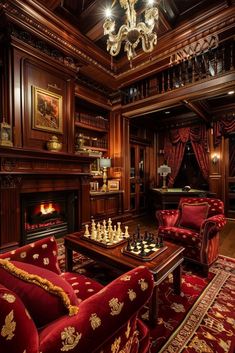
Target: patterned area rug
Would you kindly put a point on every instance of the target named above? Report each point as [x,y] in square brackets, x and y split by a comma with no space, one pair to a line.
[200,320]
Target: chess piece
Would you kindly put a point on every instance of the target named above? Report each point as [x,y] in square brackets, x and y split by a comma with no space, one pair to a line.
[142,252]
[93,229]
[128,248]
[119,231]
[115,236]
[98,232]
[126,232]
[86,234]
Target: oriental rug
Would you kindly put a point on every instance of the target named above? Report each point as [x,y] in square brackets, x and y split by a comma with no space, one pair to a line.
[199,320]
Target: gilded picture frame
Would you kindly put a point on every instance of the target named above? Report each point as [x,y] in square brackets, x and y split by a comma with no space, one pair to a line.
[113,185]
[47,110]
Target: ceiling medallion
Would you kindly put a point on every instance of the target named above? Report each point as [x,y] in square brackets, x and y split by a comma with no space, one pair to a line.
[132,32]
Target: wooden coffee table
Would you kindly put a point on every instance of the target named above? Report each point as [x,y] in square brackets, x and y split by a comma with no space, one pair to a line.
[169,261]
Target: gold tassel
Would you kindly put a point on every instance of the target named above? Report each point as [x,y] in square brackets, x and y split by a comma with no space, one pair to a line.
[41,282]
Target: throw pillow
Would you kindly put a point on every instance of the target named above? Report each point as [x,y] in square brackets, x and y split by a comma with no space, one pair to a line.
[192,215]
[46,295]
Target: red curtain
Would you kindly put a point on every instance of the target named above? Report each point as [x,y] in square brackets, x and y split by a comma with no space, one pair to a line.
[222,128]
[174,147]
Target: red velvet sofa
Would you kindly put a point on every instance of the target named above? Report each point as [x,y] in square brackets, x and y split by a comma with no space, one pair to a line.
[46,311]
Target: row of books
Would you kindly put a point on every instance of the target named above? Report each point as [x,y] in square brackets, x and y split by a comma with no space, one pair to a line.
[100,143]
[92,120]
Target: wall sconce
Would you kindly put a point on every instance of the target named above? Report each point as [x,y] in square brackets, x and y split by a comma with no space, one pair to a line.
[215,158]
[104,164]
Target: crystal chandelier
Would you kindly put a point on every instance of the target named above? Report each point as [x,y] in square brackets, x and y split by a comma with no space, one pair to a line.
[131,33]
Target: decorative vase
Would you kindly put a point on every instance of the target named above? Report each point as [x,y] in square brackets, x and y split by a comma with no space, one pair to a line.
[54,145]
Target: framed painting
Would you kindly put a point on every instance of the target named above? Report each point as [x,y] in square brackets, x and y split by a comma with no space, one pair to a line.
[113,185]
[47,110]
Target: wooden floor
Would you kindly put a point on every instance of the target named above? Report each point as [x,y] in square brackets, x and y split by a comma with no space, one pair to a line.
[227,235]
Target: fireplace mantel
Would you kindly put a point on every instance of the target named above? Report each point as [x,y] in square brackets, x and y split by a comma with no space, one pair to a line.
[22,161]
[25,171]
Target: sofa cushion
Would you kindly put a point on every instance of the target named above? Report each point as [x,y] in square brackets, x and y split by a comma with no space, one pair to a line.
[42,253]
[83,286]
[193,215]
[46,295]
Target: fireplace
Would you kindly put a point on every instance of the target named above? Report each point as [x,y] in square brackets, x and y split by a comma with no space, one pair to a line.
[48,213]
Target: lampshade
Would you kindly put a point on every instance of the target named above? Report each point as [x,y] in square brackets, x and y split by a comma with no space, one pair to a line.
[105,162]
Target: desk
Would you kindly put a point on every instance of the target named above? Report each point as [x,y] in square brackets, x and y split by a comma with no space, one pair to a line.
[170,198]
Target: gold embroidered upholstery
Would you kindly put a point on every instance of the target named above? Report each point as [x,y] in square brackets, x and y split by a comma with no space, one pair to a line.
[69,338]
[115,306]
[116,345]
[95,321]
[9,327]
[128,330]
[132,294]
[41,282]
[125,278]
[10,298]
[143,284]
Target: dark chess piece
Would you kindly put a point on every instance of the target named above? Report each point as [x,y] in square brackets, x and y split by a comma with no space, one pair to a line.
[135,245]
[142,252]
[128,248]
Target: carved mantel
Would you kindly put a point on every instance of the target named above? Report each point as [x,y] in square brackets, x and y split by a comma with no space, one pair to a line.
[16,160]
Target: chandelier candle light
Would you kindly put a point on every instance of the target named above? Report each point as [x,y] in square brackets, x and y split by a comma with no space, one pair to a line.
[104,164]
[131,32]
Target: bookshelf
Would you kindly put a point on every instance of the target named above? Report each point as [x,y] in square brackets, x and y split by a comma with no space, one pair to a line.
[91,128]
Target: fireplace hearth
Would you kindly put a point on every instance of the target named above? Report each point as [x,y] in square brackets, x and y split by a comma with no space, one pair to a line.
[44,214]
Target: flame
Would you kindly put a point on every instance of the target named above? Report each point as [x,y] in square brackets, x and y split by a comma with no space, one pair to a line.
[46,209]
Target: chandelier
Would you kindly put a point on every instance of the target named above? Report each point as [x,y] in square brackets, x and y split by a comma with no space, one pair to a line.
[131,33]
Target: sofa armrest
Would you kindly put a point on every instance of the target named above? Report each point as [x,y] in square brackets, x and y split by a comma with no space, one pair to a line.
[42,253]
[18,332]
[169,218]
[211,226]
[103,317]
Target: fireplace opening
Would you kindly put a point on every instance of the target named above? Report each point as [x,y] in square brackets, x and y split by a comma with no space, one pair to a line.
[45,214]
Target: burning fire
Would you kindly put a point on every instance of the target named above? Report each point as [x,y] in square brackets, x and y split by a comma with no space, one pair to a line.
[46,209]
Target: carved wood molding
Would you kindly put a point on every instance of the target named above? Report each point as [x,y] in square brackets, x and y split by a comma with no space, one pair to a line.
[10,181]
[29,162]
[195,48]
[23,18]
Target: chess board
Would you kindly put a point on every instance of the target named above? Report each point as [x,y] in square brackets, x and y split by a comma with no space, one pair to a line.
[106,244]
[151,250]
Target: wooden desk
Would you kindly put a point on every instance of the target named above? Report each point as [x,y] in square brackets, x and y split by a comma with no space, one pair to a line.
[169,261]
[170,198]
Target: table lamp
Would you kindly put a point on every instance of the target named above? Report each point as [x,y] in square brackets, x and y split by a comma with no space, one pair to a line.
[104,164]
[164,170]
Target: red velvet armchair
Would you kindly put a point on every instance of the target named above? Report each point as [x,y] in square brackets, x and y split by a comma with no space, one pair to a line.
[46,311]
[195,225]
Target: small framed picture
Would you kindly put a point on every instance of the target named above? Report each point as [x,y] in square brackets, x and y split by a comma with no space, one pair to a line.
[113,185]
[5,134]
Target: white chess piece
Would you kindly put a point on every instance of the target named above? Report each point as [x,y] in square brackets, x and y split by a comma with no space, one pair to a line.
[126,232]
[115,236]
[98,232]
[86,234]
[93,229]
[119,231]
